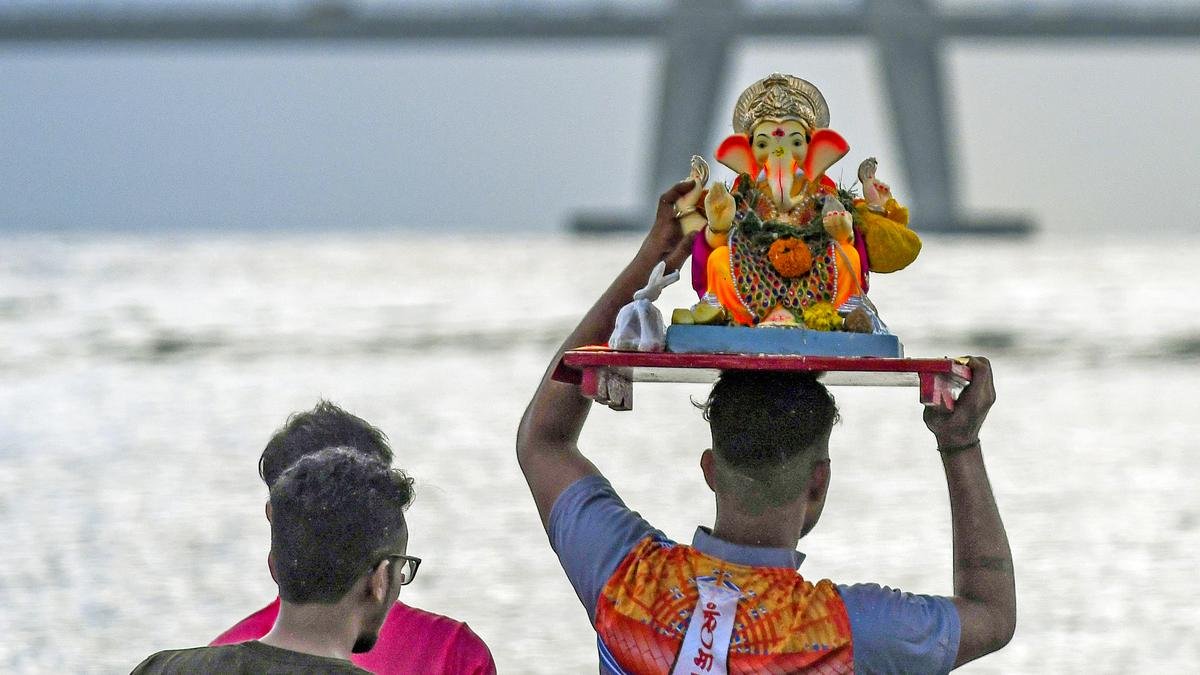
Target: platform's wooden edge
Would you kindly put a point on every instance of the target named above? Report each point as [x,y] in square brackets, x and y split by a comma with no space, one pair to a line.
[607,376]
[575,361]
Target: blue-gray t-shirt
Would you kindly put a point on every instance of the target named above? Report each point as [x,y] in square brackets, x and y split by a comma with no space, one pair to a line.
[592,531]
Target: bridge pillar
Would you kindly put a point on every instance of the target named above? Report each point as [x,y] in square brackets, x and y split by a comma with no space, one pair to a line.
[698,42]
[910,58]
[909,53]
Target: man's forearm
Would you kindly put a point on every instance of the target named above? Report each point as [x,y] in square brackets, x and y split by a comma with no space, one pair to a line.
[983,567]
[547,438]
[558,410]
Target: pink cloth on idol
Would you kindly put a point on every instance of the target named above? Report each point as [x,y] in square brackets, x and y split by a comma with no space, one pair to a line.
[411,641]
[864,260]
[700,252]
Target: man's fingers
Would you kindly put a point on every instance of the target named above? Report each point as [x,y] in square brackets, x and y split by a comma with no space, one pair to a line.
[936,417]
[932,415]
[981,386]
[980,367]
[672,195]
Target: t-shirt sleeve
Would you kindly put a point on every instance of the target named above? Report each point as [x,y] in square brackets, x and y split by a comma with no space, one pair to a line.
[897,632]
[252,627]
[151,664]
[592,531]
[471,655]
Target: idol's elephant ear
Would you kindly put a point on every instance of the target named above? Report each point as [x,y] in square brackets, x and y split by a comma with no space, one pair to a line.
[735,153]
[824,150]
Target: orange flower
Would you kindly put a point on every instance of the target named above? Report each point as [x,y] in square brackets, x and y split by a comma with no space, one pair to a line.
[790,257]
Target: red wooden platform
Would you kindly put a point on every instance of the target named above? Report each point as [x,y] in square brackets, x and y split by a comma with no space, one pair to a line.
[607,376]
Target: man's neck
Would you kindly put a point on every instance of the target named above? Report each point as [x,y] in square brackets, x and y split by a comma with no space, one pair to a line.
[317,629]
[773,528]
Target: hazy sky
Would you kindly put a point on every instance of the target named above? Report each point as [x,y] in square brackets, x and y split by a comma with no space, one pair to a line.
[1082,136]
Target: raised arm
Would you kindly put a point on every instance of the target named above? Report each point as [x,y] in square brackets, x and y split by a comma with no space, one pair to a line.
[549,431]
[984,589]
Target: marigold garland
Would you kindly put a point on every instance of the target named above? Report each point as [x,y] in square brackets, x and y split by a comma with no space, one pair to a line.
[822,316]
[790,257]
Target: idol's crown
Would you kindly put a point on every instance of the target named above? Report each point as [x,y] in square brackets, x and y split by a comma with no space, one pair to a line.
[780,97]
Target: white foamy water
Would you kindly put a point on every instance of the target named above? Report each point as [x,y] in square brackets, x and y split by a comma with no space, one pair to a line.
[141,377]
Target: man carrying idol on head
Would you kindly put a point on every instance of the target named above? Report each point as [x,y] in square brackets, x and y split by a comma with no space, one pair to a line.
[734,601]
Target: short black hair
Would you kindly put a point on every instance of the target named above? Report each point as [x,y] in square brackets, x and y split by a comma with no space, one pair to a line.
[325,426]
[335,515]
[762,419]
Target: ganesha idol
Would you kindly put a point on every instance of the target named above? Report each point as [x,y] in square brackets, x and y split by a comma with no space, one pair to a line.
[785,246]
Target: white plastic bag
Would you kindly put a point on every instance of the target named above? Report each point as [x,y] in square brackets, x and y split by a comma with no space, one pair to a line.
[639,324]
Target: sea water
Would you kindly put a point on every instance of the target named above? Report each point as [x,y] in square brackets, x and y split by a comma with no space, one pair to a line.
[140,377]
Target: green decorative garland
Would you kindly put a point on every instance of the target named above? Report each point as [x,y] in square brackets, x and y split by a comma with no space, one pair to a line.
[761,234]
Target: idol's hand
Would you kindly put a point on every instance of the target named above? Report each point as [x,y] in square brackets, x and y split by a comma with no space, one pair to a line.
[720,207]
[666,240]
[961,427]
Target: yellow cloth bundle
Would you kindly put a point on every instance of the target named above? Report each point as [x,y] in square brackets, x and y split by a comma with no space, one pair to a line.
[891,246]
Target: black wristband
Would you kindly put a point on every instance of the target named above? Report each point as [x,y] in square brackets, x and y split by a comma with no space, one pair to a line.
[952,449]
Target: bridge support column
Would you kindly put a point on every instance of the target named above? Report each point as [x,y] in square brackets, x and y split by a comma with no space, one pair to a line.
[910,46]
[698,43]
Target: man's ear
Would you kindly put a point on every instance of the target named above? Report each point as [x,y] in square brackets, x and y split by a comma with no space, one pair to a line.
[271,566]
[379,580]
[818,484]
[708,464]
[267,509]
[818,487]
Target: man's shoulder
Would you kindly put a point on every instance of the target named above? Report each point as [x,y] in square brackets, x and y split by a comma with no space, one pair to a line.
[592,531]
[414,620]
[417,640]
[885,599]
[252,627]
[246,657]
[176,660]
[897,631]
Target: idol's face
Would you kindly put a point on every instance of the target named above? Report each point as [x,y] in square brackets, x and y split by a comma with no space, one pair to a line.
[779,147]
[779,141]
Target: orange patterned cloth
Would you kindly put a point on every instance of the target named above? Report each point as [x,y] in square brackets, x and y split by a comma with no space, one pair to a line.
[761,288]
[783,623]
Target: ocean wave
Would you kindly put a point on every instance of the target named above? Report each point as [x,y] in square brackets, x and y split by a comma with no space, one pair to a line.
[167,347]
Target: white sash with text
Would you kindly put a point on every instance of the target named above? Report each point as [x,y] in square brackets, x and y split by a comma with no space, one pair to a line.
[706,643]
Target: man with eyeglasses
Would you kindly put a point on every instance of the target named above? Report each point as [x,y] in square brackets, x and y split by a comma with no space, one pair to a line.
[445,646]
[339,555]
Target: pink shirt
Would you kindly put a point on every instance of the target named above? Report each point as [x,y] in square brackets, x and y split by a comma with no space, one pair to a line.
[411,641]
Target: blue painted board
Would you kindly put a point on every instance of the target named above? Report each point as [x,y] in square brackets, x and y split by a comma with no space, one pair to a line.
[685,339]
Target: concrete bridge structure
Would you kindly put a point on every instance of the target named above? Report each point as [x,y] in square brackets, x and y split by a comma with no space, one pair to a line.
[697,36]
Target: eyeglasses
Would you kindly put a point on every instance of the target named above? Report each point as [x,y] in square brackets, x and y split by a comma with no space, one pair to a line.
[408,567]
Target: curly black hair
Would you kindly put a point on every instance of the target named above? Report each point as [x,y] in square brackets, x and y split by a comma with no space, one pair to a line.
[760,420]
[325,426]
[335,515]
